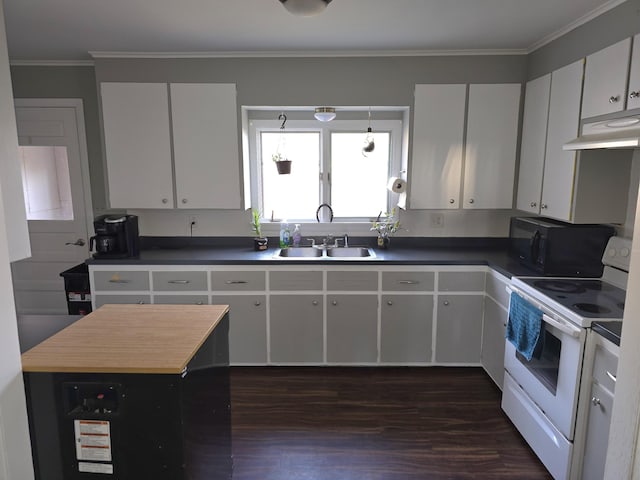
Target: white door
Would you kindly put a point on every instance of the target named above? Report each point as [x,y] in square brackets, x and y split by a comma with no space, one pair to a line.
[55,180]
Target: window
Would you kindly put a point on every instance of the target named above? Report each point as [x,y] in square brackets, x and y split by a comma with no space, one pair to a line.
[328,166]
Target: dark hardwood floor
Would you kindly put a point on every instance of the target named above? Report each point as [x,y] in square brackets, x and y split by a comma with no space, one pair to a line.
[327,423]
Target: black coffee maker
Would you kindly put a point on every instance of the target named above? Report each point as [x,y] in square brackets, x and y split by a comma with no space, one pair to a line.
[116,237]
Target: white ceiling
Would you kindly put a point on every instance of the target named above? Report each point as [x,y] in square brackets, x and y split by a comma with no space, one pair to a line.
[66,30]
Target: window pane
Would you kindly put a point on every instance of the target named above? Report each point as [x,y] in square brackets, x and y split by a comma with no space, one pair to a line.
[359,182]
[296,195]
[45,182]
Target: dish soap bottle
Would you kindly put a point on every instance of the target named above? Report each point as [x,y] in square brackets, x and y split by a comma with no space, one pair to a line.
[297,236]
[284,234]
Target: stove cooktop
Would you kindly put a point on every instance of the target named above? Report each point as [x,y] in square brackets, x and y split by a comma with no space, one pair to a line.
[589,298]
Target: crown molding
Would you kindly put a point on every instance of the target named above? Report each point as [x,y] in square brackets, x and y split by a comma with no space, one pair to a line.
[52,63]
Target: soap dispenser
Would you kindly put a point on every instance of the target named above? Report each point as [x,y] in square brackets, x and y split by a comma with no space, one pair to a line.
[284,234]
[297,236]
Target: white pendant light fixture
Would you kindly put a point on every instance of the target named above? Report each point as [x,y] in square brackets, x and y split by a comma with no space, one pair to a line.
[305,8]
[325,114]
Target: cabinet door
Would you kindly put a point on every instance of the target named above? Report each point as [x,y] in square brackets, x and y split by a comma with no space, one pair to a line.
[560,165]
[352,329]
[633,100]
[247,328]
[205,143]
[296,329]
[406,329]
[436,165]
[492,135]
[597,439]
[493,338]
[605,80]
[534,140]
[137,144]
[459,329]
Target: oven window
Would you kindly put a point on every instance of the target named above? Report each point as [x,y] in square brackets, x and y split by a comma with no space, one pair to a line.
[545,367]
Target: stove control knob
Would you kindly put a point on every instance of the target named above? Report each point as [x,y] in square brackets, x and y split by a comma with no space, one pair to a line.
[611,252]
[624,252]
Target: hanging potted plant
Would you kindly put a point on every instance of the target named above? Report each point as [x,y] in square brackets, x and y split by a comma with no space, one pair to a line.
[385,227]
[259,242]
[283,164]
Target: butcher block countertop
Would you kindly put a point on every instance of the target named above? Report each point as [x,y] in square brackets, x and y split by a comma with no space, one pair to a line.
[127,339]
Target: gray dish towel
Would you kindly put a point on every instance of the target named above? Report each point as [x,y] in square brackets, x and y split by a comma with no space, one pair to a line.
[525,328]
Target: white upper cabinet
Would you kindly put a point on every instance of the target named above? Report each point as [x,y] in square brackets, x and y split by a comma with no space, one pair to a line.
[137,144]
[633,99]
[560,165]
[605,80]
[139,135]
[534,139]
[492,134]
[438,137]
[205,143]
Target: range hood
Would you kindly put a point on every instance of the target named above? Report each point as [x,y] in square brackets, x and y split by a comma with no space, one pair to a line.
[614,133]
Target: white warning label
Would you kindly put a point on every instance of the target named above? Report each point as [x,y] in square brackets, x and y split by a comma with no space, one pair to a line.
[95,467]
[93,440]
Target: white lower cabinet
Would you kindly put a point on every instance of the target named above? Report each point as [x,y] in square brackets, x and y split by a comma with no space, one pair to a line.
[406,327]
[247,327]
[329,315]
[352,329]
[296,329]
[459,329]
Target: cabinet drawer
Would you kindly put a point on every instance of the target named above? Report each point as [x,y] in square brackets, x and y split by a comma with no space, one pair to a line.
[352,281]
[179,281]
[408,281]
[604,365]
[121,299]
[461,281]
[497,290]
[181,299]
[295,281]
[237,281]
[121,280]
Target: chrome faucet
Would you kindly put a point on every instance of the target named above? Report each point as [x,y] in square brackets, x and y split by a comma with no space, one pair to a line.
[346,240]
[330,212]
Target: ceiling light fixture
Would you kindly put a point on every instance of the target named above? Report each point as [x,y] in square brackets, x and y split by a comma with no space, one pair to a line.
[325,114]
[305,8]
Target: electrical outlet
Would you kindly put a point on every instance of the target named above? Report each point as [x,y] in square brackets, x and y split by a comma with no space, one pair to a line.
[192,224]
[437,220]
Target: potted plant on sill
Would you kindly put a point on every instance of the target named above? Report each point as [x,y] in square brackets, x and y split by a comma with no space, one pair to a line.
[385,227]
[283,164]
[259,242]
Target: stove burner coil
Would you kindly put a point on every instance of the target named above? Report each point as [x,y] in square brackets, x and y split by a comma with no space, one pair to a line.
[591,308]
[561,286]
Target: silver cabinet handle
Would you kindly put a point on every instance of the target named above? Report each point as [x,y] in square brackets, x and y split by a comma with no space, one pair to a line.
[612,376]
[446,303]
[471,200]
[335,302]
[118,280]
[389,302]
[236,282]
[199,303]
[533,204]
[452,201]
[314,303]
[614,98]
[179,282]
[595,401]
[543,206]
[257,303]
[635,94]
[184,200]
[141,302]
[165,200]
[408,282]
[78,243]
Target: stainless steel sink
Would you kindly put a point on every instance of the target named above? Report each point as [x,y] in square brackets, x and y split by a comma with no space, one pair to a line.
[300,252]
[320,252]
[349,252]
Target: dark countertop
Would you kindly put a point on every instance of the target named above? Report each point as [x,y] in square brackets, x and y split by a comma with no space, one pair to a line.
[612,331]
[457,251]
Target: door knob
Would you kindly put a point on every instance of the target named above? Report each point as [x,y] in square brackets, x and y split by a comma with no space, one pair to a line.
[635,94]
[595,401]
[614,98]
[533,204]
[78,243]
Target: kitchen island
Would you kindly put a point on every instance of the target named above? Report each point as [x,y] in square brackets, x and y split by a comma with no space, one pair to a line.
[133,391]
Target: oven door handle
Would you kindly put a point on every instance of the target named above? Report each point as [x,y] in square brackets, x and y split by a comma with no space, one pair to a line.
[563,326]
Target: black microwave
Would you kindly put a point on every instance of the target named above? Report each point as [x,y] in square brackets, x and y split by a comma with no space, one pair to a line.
[551,247]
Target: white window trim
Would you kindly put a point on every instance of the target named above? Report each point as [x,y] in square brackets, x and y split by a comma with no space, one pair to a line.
[256,127]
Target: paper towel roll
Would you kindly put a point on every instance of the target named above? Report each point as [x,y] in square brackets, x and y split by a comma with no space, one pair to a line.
[397,185]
